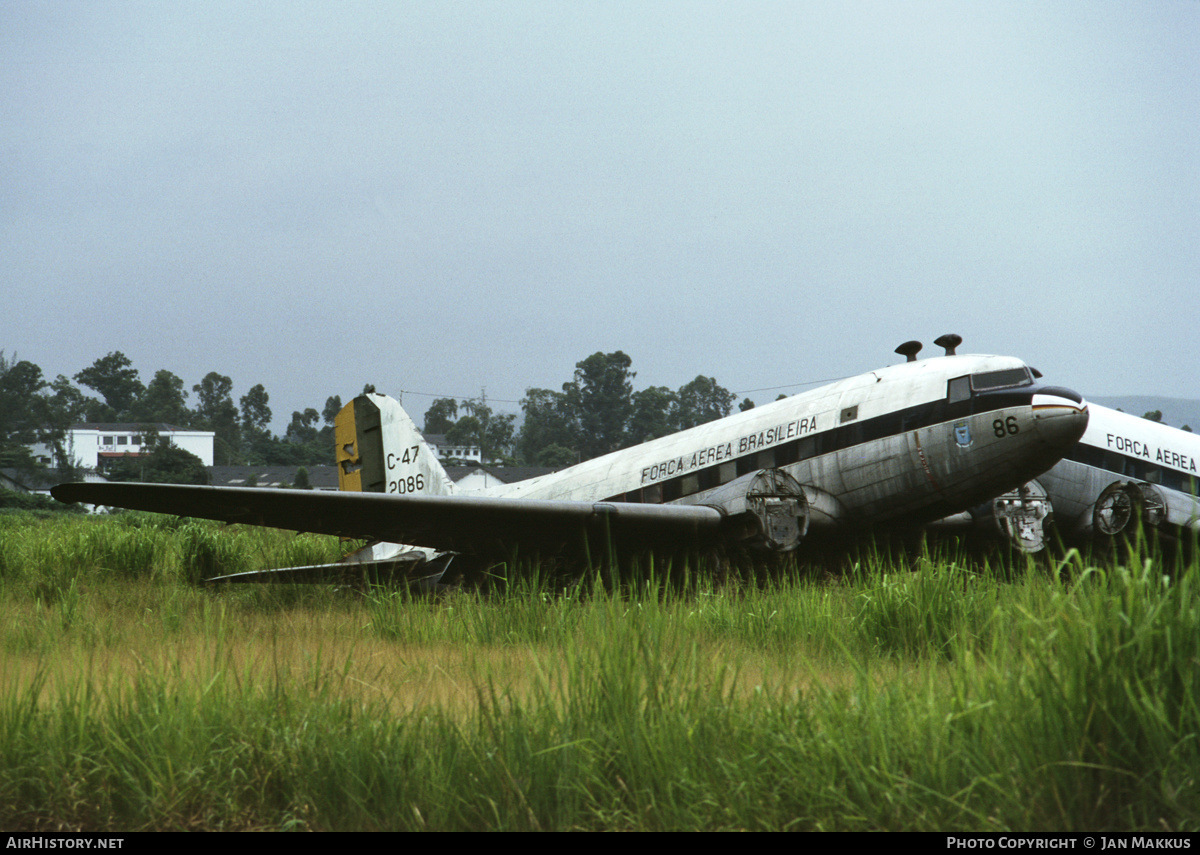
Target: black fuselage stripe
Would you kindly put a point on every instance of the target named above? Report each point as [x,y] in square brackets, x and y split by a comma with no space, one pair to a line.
[829,441]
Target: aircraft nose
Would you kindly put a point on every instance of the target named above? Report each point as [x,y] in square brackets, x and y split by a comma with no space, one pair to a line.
[1061,415]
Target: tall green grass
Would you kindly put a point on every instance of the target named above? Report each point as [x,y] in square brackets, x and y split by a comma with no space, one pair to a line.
[917,691]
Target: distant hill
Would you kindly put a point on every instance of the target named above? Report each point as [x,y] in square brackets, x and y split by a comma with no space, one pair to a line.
[1177,412]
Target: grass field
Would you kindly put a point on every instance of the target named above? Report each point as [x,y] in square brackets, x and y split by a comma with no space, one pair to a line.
[919,692]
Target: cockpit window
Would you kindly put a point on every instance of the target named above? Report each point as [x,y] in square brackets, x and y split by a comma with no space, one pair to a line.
[959,390]
[1008,378]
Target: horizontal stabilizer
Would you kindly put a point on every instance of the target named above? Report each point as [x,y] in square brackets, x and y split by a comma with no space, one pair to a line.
[411,566]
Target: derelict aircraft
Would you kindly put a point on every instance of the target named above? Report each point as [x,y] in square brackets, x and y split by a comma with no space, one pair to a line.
[1123,470]
[906,444]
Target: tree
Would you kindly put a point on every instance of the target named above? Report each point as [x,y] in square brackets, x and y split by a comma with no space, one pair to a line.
[441,415]
[259,446]
[22,408]
[214,399]
[652,414]
[549,420]
[498,436]
[702,401]
[66,406]
[216,412]
[303,427]
[302,482]
[491,433]
[256,414]
[166,463]
[466,431]
[745,405]
[1153,416]
[25,414]
[325,436]
[164,400]
[115,378]
[602,395]
[494,434]
[169,464]
[333,406]
[556,457]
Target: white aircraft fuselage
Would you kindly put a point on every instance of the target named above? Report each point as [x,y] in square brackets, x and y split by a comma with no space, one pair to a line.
[910,442]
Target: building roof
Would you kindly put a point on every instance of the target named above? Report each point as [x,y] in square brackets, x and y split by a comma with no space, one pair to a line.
[29,481]
[118,427]
[321,477]
[41,480]
[439,440]
[506,474]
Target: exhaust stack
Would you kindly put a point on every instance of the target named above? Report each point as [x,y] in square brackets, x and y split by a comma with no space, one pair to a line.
[910,349]
[949,341]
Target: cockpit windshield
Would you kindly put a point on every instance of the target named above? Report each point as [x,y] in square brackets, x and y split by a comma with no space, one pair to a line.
[1008,378]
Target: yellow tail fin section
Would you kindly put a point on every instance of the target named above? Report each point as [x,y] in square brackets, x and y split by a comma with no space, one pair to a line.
[380,450]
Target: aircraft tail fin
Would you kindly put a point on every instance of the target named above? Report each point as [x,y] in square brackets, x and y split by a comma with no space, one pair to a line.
[380,450]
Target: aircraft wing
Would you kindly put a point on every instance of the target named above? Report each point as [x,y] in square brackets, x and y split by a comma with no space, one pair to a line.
[447,523]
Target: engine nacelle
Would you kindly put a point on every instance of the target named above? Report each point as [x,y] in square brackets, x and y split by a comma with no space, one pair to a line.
[1122,503]
[1020,515]
[766,509]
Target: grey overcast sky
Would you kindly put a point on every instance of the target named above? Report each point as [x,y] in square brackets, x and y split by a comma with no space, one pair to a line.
[437,197]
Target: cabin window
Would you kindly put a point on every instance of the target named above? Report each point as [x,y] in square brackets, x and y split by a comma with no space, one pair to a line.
[652,494]
[787,453]
[726,472]
[689,484]
[1178,481]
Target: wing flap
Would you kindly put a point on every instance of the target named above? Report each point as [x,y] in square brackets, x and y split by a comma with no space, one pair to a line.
[448,523]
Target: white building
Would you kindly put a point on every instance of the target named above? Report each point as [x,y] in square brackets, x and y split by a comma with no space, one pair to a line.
[447,451]
[96,445]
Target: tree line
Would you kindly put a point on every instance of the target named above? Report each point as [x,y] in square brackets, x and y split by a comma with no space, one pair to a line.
[34,409]
[596,412]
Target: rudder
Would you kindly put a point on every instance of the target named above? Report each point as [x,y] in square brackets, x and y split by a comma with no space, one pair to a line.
[380,450]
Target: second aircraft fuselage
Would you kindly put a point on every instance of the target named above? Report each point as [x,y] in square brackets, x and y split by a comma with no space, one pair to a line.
[1122,447]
